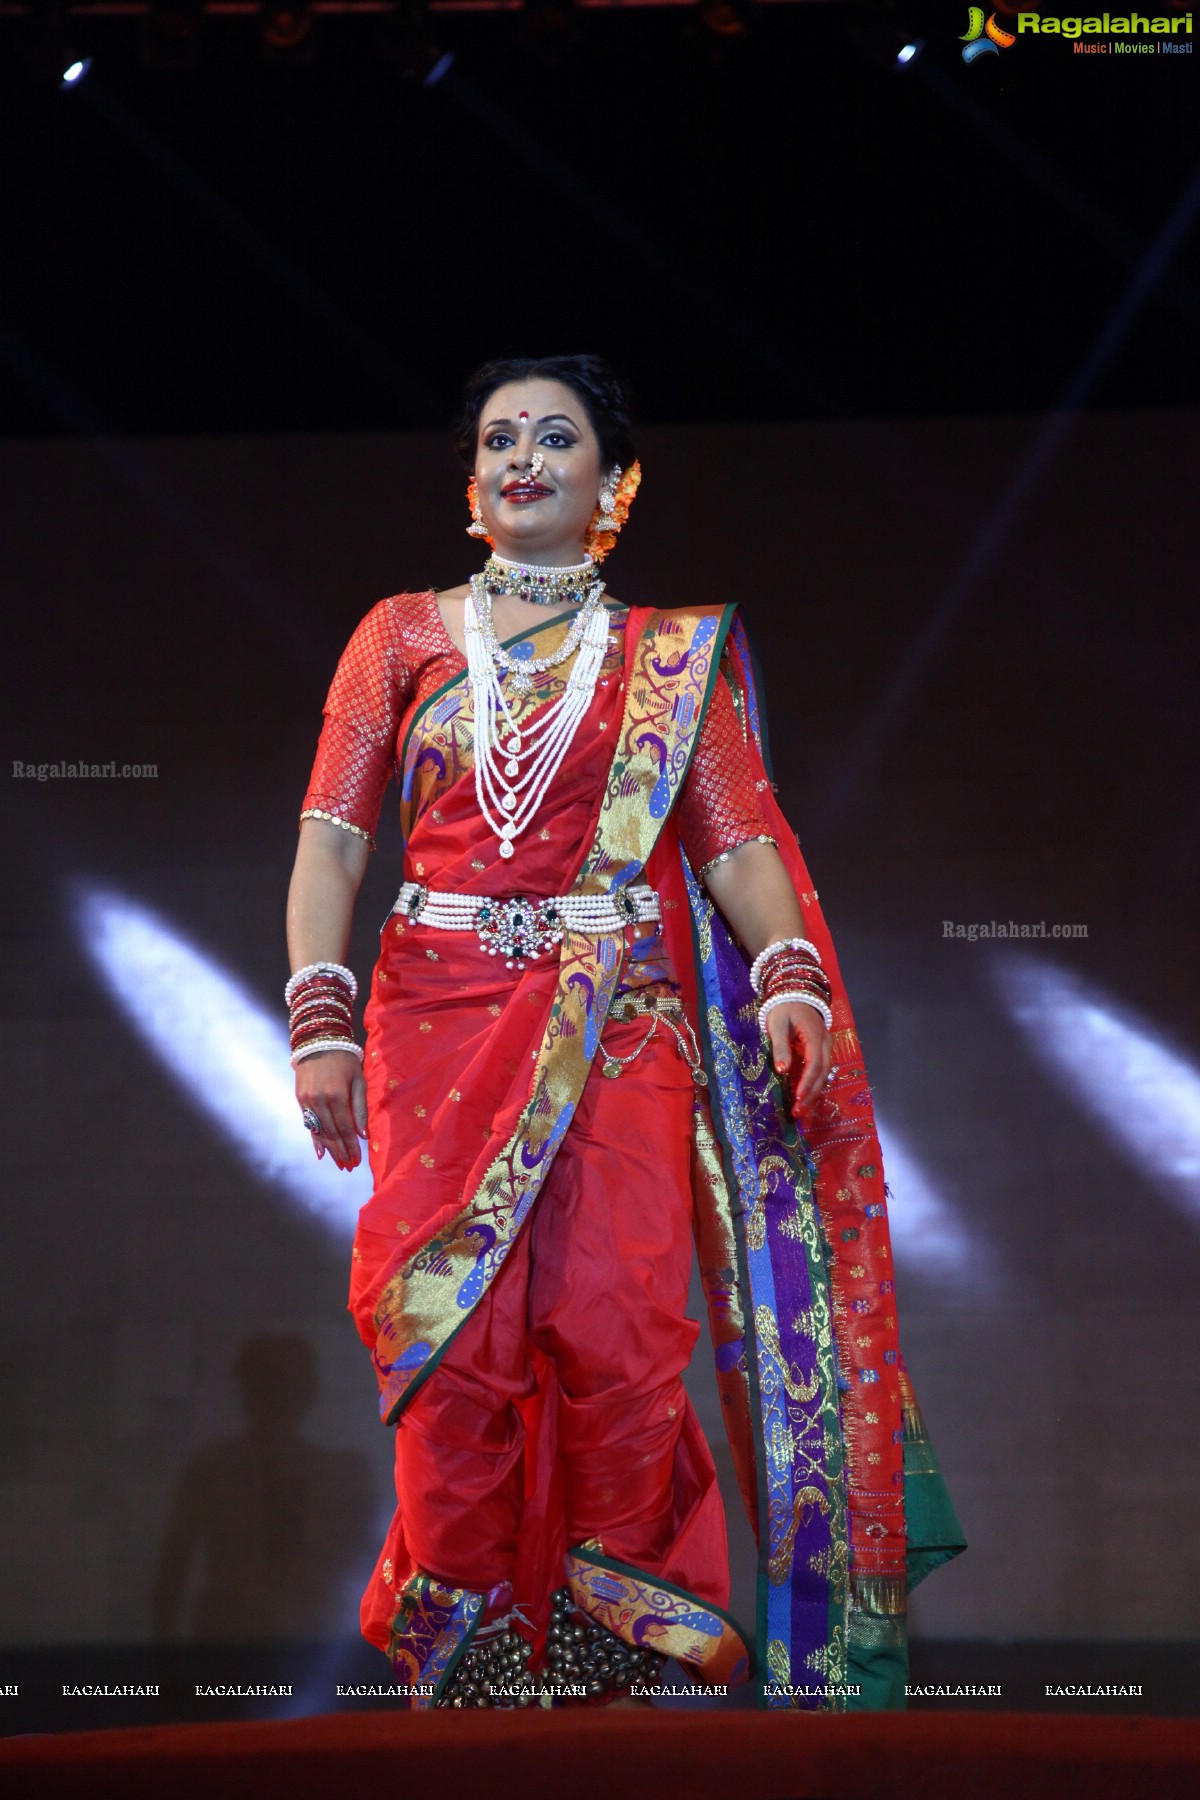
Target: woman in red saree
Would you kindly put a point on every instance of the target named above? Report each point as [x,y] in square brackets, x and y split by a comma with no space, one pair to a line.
[567,1081]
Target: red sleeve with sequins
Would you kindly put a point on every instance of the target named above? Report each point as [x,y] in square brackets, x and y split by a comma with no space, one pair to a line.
[363,708]
[719,806]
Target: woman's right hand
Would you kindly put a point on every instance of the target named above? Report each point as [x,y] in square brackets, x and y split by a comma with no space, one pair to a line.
[332,1084]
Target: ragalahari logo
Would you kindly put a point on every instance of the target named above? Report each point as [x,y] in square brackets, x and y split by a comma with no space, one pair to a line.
[1100,34]
[984,38]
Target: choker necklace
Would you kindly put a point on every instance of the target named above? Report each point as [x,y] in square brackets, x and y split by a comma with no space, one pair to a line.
[514,765]
[545,586]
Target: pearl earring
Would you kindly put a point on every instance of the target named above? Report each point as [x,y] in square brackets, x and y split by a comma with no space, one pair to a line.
[608,498]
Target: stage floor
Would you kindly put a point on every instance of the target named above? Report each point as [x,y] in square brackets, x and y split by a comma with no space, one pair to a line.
[596,1755]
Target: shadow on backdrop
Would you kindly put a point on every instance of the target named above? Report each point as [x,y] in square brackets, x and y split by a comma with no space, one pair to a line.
[264,1535]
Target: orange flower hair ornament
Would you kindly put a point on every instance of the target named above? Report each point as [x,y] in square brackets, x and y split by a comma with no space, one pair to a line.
[602,532]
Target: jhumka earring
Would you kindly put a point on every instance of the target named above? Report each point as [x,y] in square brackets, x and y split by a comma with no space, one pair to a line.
[476,528]
[608,498]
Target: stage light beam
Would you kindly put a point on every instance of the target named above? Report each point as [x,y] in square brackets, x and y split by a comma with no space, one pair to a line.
[1142,1092]
[929,1238]
[224,1047]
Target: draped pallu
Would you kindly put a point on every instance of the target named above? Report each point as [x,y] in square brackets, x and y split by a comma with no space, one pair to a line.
[791,1231]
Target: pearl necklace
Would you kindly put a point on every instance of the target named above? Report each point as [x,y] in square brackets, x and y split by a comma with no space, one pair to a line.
[508,793]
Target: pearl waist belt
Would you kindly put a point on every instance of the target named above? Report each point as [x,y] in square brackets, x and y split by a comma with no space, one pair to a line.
[525,926]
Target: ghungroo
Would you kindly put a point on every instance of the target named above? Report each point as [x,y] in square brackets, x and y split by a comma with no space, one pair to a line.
[493,1672]
[583,1655]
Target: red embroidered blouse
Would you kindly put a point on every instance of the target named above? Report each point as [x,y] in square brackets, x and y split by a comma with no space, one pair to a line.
[401,653]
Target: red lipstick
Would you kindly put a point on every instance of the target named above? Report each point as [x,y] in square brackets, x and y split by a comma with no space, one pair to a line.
[523,491]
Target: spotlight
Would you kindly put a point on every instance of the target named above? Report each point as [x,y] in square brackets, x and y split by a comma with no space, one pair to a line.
[49,49]
[879,32]
[404,39]
[288,31]
[441,67]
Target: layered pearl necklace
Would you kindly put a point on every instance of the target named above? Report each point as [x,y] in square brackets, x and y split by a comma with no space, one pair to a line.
[511,778]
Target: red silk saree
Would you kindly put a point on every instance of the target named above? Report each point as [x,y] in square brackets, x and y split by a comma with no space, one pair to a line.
[477,1077]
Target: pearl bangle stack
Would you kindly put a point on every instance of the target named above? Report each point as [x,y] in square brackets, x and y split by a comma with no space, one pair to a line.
[320,1001]
[764,956]
[318,1047]
[794,999]
[789,972]
[320,968]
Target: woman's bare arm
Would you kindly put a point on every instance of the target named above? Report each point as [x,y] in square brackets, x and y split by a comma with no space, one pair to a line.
[328,871]
[754,891]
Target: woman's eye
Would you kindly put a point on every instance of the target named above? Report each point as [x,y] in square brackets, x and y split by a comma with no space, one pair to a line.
[499,440]
[557,439]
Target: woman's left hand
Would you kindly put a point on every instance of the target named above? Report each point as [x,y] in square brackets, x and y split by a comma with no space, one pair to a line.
[802,1051]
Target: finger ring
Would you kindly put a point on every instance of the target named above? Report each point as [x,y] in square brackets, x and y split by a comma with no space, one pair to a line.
[311,1121]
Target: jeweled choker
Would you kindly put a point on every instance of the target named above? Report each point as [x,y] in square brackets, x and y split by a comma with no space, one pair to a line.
[544,586]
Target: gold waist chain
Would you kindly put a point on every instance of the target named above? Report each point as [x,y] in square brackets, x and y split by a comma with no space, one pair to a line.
[664,1009]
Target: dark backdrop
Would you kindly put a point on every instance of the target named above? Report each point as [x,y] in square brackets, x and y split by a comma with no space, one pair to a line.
[777,225]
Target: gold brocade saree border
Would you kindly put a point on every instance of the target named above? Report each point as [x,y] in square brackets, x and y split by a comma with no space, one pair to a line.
[650,1614]
[430,1634]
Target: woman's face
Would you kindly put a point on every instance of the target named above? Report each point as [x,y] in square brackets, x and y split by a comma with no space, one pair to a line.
[545,517]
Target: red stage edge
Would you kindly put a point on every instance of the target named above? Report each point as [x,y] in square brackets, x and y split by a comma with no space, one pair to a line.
[606,1755]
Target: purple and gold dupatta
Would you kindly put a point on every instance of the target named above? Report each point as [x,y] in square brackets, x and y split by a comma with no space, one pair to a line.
[795,1255]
